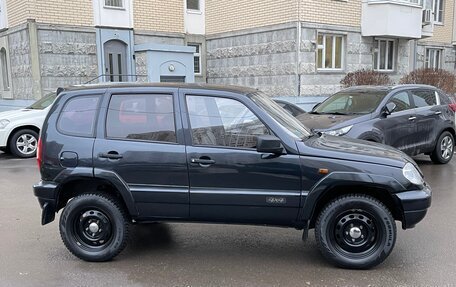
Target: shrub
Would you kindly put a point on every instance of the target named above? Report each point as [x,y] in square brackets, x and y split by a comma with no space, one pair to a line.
[439,78]
[365,77]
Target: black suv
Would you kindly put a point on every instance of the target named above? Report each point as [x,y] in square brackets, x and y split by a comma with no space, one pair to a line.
[114,155]
[413,118]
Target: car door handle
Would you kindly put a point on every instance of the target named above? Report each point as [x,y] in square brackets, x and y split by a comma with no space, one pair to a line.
[412,118]
[110,155]
[438,113]
[202,161]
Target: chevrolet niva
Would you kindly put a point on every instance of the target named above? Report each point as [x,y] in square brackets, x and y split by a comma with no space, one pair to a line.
[120,154]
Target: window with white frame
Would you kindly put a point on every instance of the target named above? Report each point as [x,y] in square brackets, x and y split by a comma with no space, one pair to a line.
[4,69]
[433,58]
[193,5]
[196,57]
[384,54]
[438,8]
[114,3]
[330,52]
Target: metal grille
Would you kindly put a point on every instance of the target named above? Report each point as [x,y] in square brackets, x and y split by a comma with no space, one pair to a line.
[114,3]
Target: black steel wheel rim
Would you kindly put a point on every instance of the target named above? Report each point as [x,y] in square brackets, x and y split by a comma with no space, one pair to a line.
[356,233]
[92,229]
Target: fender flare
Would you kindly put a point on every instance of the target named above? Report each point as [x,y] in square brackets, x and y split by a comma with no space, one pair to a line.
[340,179]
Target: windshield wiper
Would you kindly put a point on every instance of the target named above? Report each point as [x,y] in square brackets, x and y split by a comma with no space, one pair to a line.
[314,113]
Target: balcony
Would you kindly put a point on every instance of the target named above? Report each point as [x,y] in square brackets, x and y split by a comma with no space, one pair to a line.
[395,19]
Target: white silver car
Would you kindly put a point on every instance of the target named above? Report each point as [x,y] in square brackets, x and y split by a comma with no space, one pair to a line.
[19,129]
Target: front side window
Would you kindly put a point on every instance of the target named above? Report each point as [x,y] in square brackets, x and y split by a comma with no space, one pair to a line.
[141,117]
[351,102]
[330,52]
[78,116]
[433,58]
[114,3]
[193,5]
[223,122]
[424,98]
[402,101]
[384,55]
[196,57]
[438,9]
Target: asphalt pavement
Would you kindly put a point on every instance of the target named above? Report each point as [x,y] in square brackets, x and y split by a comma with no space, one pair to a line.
[216,255]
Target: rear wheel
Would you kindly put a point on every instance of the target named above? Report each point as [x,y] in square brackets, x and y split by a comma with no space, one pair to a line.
[355,231]
[94,227]
[444,149]
[23,143]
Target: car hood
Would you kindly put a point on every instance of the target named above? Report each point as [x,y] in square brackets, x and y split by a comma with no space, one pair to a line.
[354,150]
[22,113]
[326,121]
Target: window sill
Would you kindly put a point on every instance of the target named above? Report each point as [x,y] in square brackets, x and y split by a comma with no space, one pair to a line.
[330,71]
[439,24]
[115,8]
[197,12]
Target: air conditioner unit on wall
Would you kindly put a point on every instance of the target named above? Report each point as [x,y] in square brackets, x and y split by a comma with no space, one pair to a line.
[427,16]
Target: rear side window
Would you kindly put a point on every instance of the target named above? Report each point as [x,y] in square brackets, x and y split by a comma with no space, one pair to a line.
[141,117]
[78,116]
[424,98]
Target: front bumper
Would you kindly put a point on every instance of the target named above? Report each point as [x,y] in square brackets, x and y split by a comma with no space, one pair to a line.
[415,204]
[46,194]
[3,138]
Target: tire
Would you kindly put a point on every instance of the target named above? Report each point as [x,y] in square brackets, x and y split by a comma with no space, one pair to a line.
[24,143]
[94,227]
[343,229]
[444,149]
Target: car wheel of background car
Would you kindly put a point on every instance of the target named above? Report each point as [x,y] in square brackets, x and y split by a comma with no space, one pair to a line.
[24,143]
[355,231]
[444,149]
[94,227]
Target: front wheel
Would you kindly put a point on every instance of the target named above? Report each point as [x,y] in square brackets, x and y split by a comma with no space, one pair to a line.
[94,227]
[444,149]
[24,143]
[355,231]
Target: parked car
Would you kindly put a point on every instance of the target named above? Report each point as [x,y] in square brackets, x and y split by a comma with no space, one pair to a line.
[19,129]
[417,119]
[113,155]
[293,109]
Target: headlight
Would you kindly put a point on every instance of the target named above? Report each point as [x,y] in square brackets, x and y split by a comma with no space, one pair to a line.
[339,132]
[412,174]
[4,123]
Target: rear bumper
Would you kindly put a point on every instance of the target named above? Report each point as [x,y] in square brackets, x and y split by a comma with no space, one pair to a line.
[415,204]
[46,194]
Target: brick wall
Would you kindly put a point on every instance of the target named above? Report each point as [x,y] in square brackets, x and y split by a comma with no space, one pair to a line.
[18,11]
[347,13]
[79,13]
[444,33]
[159,15]
[225,16]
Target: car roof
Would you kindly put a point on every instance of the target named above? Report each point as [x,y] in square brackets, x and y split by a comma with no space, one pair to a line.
[388,88]
[196,86]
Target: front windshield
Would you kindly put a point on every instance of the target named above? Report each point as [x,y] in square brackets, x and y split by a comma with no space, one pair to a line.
[351,102]
[44,102]
[280,115]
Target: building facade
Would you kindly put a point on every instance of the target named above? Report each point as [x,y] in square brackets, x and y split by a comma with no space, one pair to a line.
[284,47]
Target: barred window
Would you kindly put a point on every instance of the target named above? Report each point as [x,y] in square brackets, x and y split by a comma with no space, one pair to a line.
[114,3]
[196,58]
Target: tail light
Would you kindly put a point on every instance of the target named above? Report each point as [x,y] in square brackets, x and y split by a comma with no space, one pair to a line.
[39,153]
[452,107]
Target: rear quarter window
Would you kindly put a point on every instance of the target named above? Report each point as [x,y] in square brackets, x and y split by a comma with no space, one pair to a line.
[78,116]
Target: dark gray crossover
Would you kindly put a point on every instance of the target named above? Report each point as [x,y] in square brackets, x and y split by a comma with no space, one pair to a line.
[416,119]
[115,155]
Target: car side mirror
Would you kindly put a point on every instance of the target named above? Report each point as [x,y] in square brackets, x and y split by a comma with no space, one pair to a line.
[270,144]
[389,108]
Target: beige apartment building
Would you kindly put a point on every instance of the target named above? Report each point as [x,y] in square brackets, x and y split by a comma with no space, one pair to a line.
[284,47]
